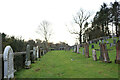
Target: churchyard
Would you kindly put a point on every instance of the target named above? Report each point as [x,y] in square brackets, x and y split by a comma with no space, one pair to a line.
[68,64]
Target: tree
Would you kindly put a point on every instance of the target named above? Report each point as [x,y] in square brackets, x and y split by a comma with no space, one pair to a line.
[80,19]
[46,32]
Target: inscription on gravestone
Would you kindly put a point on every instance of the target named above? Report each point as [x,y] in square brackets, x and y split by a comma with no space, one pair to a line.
[8,62]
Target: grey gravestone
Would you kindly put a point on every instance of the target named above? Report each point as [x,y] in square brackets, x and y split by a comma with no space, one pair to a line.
[83,52]
[34,53]
[118,52]
[114,41]
[86,46]
[75,48]
[78,48]
[27,61]
[8,62]
[37,52]
[94,55]
[104,53]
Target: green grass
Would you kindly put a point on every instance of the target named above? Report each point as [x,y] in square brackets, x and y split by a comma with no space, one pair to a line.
[66,64]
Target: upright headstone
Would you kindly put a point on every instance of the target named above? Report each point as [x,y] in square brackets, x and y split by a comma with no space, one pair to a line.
[78,48]
[118,52]
[27,61]
[83,52]
[34,53]
[86,46]
[8,62]
[37,52]
[94,55]
[75,48]
[104,54]
[1,71]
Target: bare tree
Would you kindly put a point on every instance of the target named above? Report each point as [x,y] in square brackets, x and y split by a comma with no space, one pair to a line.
[46,32]
[80,19]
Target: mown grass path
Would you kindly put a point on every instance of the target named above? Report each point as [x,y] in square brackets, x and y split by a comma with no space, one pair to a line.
[66,64]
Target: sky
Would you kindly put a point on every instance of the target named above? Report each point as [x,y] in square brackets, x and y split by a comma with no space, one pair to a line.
[21,18]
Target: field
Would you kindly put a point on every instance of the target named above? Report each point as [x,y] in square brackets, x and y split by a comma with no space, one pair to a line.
[67,64]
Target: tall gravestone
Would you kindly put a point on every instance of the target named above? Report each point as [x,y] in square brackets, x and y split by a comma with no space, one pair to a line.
[78,46]
[118,52]
[27,61]
[8,62]
[104,53]
[94,55]
[1,70]
[34,53]
[75,48]
[86,46]
[37,52]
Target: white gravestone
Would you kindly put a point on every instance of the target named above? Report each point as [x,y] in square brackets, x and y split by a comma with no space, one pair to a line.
[27,61]
[37,52]
[94,54]
[8,62]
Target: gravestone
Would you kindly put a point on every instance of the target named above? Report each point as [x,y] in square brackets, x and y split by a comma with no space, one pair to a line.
[27,61]
[92,46]
[118,52]
[8,57]
[114,41]
[86,46]
[94,55]
[37,52]
[104,53]
[78,48]
[75,48]
[34,53]
[83,52]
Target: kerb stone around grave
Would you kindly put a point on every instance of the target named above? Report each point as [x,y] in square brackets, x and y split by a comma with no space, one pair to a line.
[8,56]
[118,52]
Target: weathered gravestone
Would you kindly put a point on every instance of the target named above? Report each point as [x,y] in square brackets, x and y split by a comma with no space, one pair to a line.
[86,47]
[118,52]
[34,53]
[94,55]
[8,62]
[83,52]
[78,46]
[27,61]
[104,54]
[37,52]
[75,48]
[114,41]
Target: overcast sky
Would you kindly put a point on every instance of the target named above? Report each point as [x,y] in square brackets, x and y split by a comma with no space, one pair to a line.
[22,17]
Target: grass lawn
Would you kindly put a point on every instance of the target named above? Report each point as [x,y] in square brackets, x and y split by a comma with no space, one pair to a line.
[66,64]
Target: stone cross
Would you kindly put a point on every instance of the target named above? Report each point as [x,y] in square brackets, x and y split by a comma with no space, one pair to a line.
[27,61]
[8,62]
[118,52]
[94,55]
